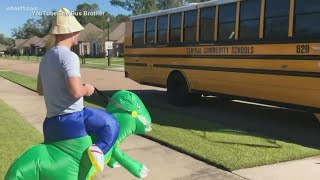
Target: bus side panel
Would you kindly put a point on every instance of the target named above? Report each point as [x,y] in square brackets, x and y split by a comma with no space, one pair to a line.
[128,34]
[140,70]
[138,77]
[286,89]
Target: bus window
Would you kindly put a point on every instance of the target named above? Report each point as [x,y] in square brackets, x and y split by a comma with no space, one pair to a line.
[307,15]
[249,19]
[150,32]
[175,27]
[138,32]
[190,26]
[207,17]
[162,29]
[277,19]
[227,18]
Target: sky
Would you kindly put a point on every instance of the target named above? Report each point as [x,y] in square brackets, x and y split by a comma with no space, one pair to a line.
[14,13]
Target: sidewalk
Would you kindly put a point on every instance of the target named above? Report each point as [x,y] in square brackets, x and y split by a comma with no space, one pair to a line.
[118,69]
[163,163]
[304,169]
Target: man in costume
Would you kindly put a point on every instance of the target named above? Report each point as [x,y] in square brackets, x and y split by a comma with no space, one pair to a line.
[71,129]
[59,81]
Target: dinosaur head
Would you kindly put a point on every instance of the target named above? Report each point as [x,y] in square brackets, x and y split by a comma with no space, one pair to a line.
[130,112]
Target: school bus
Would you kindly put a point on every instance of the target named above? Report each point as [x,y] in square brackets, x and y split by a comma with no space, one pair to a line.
[261,50]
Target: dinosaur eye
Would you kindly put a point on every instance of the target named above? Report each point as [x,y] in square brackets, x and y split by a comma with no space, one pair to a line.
[138,106]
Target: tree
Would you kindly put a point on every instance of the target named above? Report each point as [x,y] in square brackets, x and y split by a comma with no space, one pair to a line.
[45,24]
[120,18]
[146,6]
[85,19]
[136,6]
[6,40]
[99,21]
[32,27]
[166,4]
[18,33]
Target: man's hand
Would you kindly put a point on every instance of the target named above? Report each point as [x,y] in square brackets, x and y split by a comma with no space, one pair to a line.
[90,89]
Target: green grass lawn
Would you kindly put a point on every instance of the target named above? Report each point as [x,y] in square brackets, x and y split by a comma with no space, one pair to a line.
[213,143]
[99,63]
[102,63]
[100,66]
[16,136]
[23,58]
[102,60]
[22,80]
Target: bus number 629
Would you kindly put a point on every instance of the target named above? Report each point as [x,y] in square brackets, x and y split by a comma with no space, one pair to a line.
[303,49]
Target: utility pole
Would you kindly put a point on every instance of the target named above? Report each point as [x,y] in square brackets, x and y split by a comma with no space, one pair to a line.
[108,24]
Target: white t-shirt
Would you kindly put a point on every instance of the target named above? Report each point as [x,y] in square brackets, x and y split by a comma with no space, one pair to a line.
[58,64]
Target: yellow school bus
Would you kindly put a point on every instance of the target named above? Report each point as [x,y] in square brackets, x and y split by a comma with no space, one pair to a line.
[261,50]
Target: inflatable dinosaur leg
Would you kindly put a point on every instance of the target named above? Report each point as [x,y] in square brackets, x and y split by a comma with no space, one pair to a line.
[113,163]
[133,166]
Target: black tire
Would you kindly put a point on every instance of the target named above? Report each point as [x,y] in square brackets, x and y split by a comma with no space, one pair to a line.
[178,92]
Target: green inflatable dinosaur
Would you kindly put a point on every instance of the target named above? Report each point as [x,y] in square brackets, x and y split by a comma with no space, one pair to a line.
[70,159]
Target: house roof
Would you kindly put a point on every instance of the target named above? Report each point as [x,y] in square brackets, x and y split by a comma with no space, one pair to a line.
[42,42]
[90,33]
[18,43]
[117,33]
[33,40]
[26,43]
[3,48]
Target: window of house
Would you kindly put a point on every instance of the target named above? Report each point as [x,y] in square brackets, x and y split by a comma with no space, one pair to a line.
[207,20]
[175,27]
[162,29]
[150,33]
[227,21]
[190,26]
[277,19]
[307,15]
[138,31]
[249,19]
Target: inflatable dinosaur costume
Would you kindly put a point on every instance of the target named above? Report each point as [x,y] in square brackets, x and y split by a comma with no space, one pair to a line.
[70,159]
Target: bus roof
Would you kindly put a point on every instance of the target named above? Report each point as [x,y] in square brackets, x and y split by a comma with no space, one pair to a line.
[188,7]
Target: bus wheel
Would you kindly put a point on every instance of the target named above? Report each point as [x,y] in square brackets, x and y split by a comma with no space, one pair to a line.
[317,116]
[177,90]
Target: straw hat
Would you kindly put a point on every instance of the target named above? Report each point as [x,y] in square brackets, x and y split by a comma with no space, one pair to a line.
[65,23]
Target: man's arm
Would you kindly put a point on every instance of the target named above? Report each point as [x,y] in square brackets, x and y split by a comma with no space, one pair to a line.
[39,86]
[77,89]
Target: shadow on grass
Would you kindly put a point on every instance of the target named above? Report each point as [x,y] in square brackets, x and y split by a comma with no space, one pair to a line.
[274,123]
[272,143]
